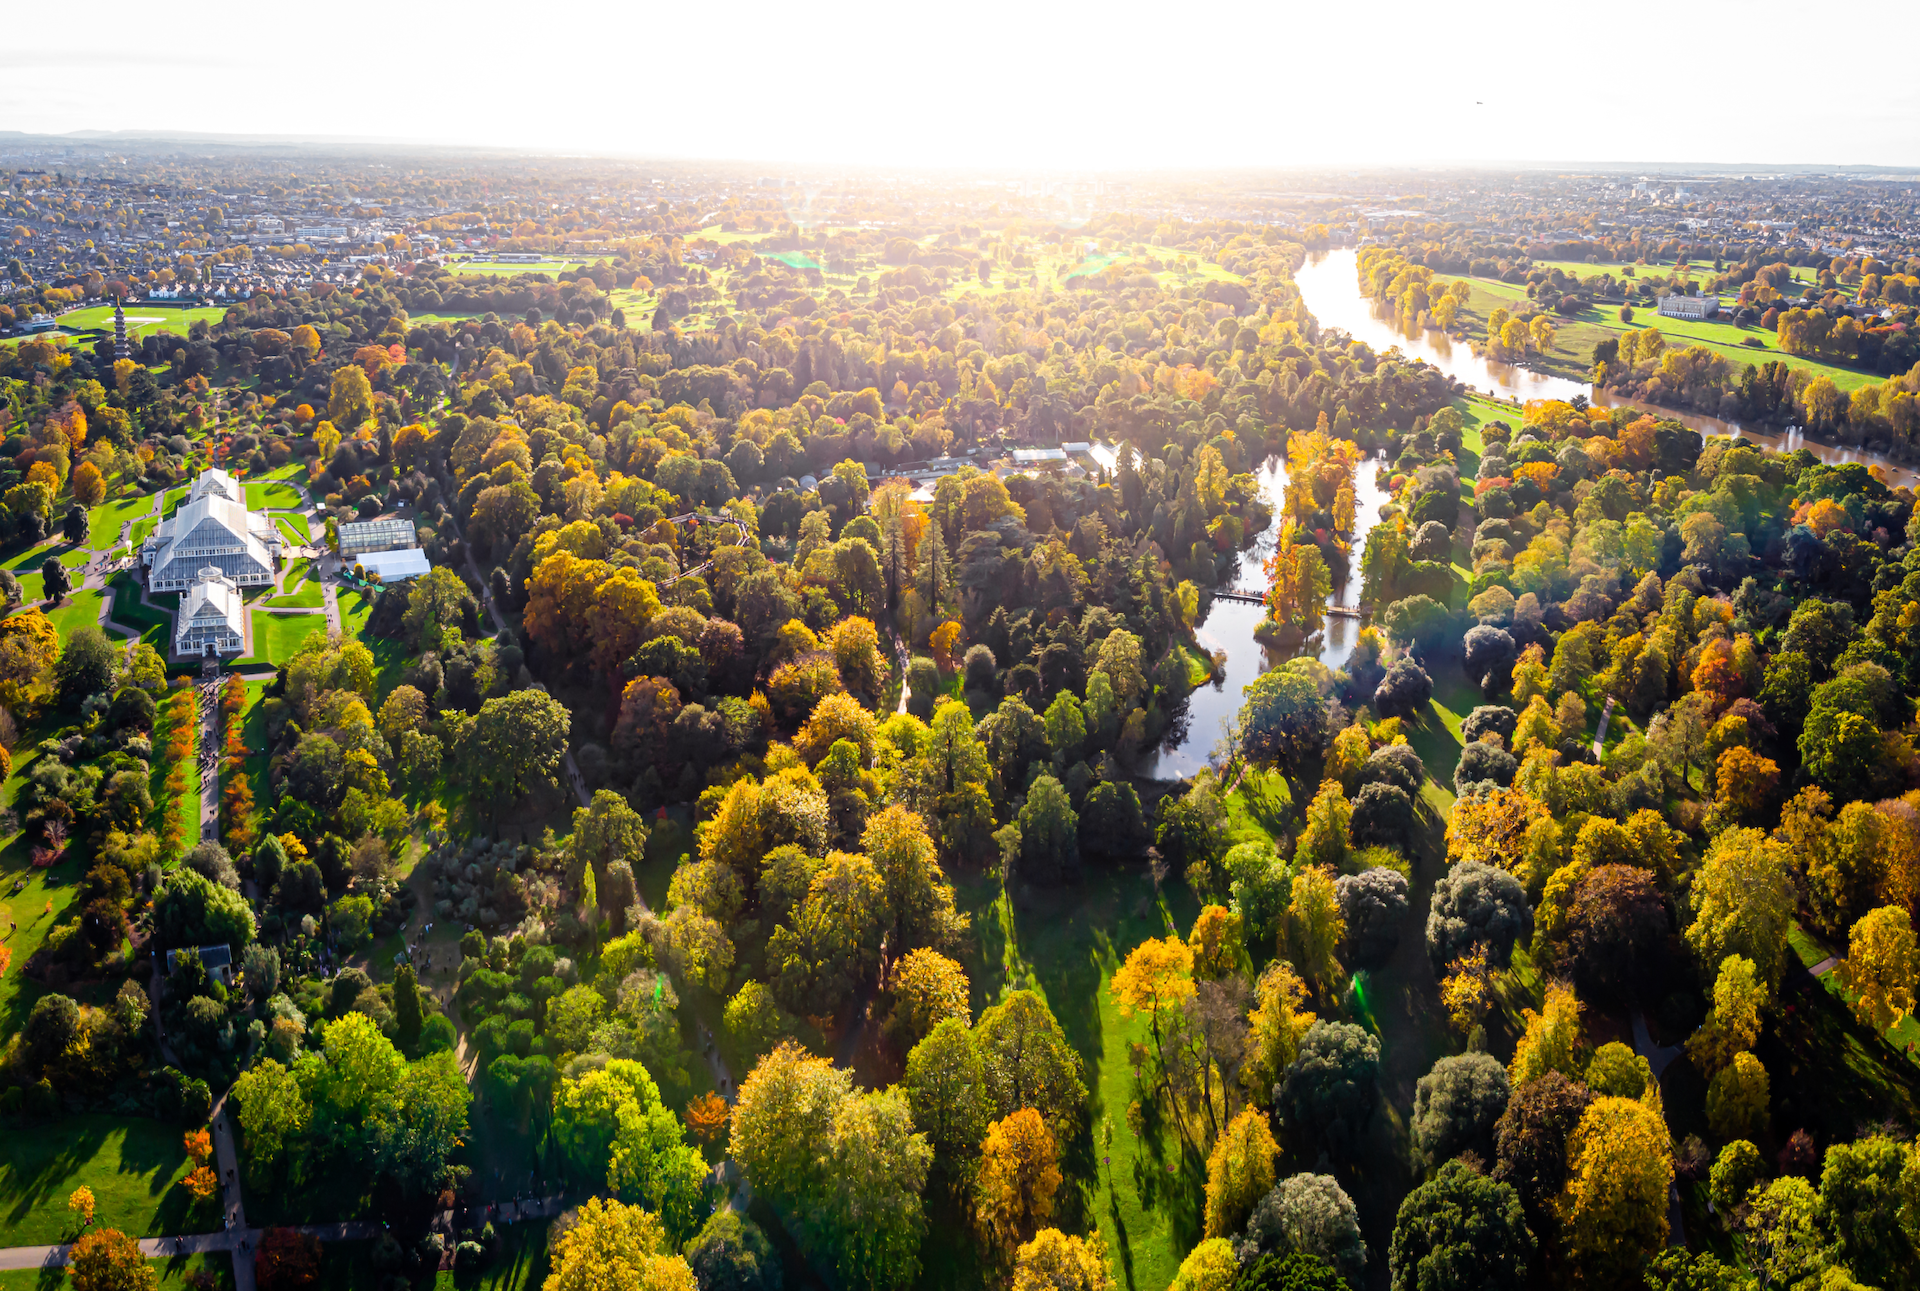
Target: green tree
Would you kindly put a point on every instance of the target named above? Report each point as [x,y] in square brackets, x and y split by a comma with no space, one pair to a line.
[192,910]
[1460,1232]
[513,748]
[1743,903]
[1029,1063]
[1049,834]
[1455,1106]
[1862,1203]
[85,666]
[408,1014]
[272,1111]
[945,1084]
[415,1135]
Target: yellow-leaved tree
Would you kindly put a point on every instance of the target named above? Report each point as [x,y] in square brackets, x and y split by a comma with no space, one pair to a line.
[1057,1261]
[1552,1038]
[1881,967]
[615,1245]
[1615,1206]
[1239,1172]
[1019,1175]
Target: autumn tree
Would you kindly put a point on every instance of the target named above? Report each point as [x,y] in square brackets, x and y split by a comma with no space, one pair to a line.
[1733,1023]
[1057,1261]
[1019,1175]
[1552,1038]
[927,989]
[1882,967]
[1743,903]
[1737,1099]
[1615,1207]
[1239,1172]
[1314,929]
[615,1245]
[108,1260]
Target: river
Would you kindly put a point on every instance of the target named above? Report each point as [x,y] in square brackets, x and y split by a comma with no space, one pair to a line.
[1330,287]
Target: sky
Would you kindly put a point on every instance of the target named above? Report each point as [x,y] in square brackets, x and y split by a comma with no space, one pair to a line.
[995,86]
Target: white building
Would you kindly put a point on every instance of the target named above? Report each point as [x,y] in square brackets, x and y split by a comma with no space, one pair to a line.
[1692,307]
[214,482]
[211,530]
[394,566]
[210,617]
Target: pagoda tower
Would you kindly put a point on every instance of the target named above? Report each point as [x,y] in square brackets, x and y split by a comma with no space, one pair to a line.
[121,350]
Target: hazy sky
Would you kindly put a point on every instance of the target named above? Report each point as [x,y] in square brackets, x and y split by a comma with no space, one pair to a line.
[1019,85]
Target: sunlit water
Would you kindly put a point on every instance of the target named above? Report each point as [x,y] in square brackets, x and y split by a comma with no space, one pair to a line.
[1329,286]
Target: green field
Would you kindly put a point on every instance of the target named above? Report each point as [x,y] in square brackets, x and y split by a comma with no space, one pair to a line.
[277,636]
[104,521]
[142,319]
[1066,947]
[304,593]
[295,528]
[80,609]
[264,495]
[34,557]
[131,1163]
[174,498]
[154,626]
[1573,347]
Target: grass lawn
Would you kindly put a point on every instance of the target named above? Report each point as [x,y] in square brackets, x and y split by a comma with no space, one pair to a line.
[131,1163]
[174,1271]
[154,626]
[174,498]
[1573,346]
[32,557]
[263,495]
[277,636]
[305,585]
[143,319]
[104,521]
[141,528]
[79,610]
[1065,946]
[295,527]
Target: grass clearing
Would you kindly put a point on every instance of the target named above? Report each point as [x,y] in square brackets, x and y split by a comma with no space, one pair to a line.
[104,521]
[1065,946]
[277,636]
[306,593]
[80,609]
[144,318]
[1573,346]
[295,528]
[264,495]
[154,626]
[131,1163]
